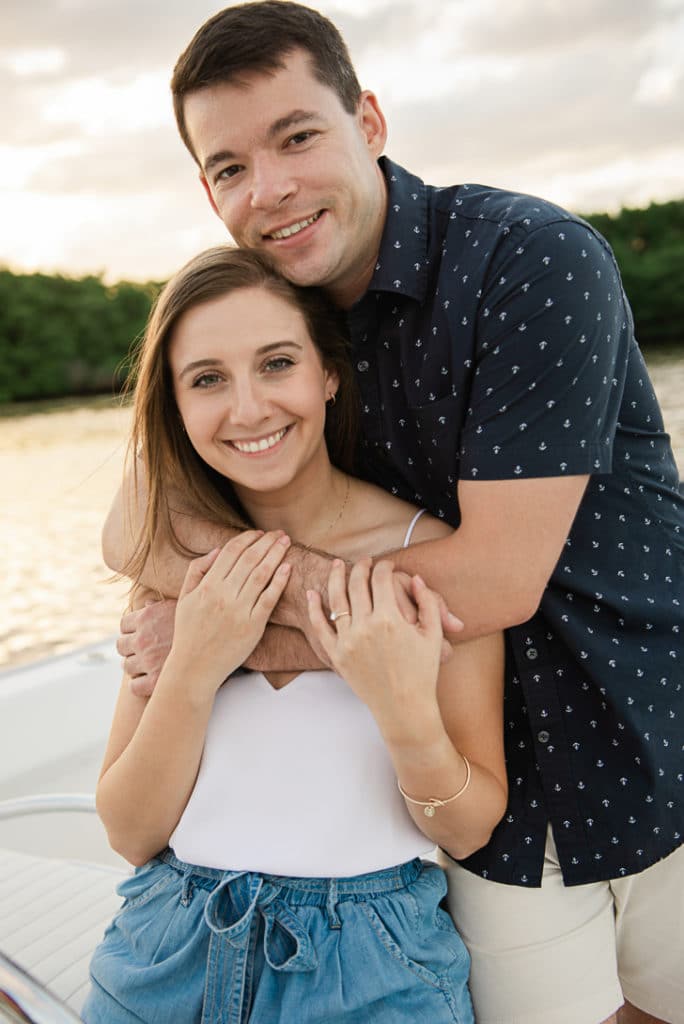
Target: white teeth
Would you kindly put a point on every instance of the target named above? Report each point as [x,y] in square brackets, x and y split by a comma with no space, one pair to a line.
[294,229]
[260,446]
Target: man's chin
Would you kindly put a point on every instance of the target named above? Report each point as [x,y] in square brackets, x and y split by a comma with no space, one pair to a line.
[302,273]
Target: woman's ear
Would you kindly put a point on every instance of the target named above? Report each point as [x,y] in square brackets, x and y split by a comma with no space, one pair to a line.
[332,383]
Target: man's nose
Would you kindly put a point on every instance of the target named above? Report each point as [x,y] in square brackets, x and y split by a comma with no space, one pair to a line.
[272,183]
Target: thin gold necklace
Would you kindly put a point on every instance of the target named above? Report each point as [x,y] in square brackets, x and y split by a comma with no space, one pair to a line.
[341,512]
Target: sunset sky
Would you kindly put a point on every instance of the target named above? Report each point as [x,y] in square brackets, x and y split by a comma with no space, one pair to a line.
[580,102]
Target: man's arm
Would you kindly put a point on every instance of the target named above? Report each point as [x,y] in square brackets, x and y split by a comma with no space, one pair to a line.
[493,569]
[552,346]
[146,632]
[165,569]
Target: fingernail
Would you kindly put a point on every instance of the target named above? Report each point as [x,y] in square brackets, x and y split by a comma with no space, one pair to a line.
[284,540]
[284,568]
[337,562]
[419,579]
[309,595]
[455,621]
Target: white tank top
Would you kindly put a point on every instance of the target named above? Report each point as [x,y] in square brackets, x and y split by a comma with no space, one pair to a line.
[296,781]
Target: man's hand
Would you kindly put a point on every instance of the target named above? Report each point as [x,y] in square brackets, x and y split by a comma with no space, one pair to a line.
[144,643]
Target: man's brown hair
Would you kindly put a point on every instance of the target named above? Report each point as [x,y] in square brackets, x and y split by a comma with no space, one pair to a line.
[257,37]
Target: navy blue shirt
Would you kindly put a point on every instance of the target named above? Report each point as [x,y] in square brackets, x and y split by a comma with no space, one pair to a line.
[495,342]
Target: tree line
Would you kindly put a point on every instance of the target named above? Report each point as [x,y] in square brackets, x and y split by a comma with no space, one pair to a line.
[72,336]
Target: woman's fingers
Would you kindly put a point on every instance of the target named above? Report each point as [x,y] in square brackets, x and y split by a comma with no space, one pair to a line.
[254,569]
[269,597]
[360,600]
[429,612]
[382,588]
[243,554]
[196,571]
[231,552]
[323,631]
[337,590]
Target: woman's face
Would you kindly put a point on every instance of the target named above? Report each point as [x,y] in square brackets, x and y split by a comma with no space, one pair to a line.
[251,389]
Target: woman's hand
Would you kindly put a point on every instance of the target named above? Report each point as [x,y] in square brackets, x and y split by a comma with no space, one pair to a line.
[391,664]
[225,603]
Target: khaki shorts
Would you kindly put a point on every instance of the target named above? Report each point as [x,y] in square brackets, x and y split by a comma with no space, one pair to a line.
[572,955]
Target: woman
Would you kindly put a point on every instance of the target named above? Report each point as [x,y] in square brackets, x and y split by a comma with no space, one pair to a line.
[278,822]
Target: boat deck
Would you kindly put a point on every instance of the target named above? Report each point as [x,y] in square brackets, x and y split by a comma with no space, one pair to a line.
[57,874]
[54,913]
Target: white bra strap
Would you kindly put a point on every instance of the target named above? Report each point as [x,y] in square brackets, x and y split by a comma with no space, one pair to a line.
[409,532]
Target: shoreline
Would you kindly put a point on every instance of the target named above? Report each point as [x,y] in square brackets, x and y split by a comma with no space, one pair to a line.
[61,464]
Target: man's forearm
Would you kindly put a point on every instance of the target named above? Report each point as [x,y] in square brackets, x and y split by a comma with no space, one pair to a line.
[165,568]
[492,571]
[310,570]
[282,649]
[485,599]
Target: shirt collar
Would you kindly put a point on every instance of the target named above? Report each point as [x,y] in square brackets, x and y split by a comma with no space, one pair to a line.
[403,257]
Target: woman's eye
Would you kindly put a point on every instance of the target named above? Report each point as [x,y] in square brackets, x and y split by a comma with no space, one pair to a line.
[278,363]
[206,380]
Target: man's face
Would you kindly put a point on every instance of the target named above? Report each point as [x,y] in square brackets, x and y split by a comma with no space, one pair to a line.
[292,174]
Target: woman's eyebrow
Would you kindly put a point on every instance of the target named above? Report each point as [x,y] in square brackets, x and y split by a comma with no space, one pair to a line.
[203,364]
[285,343]
[199,364]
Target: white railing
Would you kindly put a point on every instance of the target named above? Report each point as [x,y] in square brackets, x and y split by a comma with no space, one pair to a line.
[23,1000]
[46,803]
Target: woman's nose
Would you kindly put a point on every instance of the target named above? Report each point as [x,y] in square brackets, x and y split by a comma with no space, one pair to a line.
[249,405]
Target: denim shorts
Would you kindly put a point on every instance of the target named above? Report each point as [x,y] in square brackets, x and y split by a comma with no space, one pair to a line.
[194,945]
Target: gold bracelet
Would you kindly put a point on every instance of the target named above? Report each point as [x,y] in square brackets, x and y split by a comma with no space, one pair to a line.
[430,806]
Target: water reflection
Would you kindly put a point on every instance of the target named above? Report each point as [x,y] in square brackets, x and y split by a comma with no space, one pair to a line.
[60,470]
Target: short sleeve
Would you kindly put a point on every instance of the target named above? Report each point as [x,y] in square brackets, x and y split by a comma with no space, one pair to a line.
[552,348]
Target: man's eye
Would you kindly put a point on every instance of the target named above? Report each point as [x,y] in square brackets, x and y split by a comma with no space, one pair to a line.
[300,137]
[228,172]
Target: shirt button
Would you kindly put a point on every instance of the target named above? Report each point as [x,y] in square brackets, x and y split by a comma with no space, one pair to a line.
[532,653]
[362,366]
[543,736]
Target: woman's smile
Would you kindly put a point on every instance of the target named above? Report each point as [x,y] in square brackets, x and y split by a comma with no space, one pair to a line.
[260,445]
[251,390]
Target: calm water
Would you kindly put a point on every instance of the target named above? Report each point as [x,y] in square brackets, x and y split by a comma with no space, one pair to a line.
[60,470]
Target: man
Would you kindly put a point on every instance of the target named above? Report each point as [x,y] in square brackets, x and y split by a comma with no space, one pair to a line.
[502,389]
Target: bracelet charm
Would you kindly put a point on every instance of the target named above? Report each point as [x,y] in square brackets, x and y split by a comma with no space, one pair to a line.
[431,805]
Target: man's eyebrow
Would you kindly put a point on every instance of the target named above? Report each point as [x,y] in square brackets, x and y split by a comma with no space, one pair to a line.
[294,118]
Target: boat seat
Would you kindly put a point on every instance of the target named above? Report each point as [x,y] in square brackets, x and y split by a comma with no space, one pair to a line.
[53,914]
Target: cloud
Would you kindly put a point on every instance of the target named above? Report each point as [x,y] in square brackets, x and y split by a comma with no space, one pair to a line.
[581,103]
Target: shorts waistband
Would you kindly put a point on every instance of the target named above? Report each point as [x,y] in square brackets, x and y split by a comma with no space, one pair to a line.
[374,883]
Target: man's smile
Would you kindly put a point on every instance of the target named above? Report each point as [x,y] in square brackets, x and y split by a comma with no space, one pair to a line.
[293,229]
